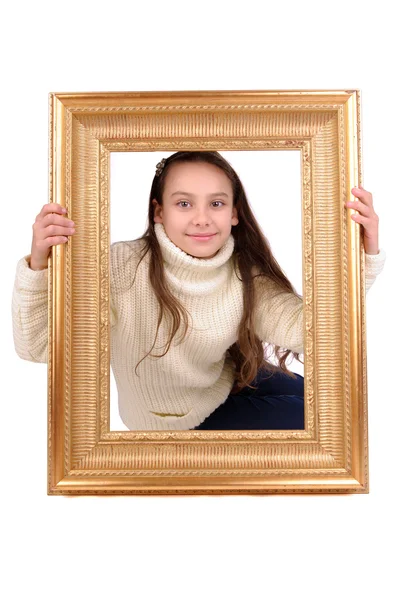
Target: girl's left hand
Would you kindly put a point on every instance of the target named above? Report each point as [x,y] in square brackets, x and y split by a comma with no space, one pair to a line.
[366,217]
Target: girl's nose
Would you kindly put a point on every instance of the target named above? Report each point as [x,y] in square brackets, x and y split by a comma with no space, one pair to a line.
[202,218]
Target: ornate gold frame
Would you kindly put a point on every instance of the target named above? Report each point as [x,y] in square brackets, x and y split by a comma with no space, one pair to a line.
[331,454]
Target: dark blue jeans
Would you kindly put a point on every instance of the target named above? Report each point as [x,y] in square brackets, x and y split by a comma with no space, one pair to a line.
[277,403]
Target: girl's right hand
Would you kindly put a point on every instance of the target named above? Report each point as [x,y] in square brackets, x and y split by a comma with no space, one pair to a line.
[50,228]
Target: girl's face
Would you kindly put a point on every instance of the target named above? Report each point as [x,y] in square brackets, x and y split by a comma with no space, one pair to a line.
[197,199]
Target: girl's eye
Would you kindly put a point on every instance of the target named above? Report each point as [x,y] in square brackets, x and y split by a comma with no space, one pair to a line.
[186,202]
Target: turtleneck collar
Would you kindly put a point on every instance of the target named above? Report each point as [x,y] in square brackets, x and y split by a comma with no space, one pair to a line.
[190,274]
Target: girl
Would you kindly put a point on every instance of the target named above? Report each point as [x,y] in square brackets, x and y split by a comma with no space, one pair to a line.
[202,262]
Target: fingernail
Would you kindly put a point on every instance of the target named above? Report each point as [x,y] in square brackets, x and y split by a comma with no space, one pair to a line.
[64,210]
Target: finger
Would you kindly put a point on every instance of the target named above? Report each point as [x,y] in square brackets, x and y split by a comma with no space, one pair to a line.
[55,219]
[61,239]
[360,207]
[61,226]
[55,230]
[52,241]
[363,195]
[365,221]
[52,207]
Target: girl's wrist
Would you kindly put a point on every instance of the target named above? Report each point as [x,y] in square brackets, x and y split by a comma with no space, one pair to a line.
[371,246]
[35,266]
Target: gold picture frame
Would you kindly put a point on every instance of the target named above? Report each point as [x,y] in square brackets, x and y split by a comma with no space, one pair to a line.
[331,454]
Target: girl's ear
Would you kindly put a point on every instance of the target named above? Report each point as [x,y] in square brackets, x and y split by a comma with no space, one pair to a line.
[158,212]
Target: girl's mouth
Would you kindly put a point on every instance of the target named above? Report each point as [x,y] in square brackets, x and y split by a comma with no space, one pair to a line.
[202,238]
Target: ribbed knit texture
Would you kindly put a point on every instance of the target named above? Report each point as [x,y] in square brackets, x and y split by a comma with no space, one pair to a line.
[179,390]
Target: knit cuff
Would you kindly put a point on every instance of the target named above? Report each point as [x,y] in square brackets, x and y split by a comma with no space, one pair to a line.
[29,279]
[374,263]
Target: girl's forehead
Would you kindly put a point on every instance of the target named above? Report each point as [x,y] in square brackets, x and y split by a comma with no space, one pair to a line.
[189,174]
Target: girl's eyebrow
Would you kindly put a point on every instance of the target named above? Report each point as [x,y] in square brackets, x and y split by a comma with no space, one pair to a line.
[188,194]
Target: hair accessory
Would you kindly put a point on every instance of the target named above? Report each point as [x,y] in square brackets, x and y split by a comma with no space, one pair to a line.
[160,166]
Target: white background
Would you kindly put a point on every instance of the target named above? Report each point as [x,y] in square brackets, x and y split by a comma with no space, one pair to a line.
[200,546]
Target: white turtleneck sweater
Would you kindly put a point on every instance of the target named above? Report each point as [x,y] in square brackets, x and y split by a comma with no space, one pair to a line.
[179,390]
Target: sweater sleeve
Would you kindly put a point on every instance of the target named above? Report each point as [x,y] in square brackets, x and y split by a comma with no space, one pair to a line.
[30,310]
[279,315]
[374,264]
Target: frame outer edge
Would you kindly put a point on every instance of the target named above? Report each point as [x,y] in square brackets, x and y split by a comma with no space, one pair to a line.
[56,277]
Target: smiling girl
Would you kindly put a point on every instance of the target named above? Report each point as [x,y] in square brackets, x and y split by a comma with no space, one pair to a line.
[203,263]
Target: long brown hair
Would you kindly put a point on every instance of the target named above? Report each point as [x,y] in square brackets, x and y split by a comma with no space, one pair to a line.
[252,254]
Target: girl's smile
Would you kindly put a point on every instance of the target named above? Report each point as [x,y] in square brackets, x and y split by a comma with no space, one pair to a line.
[202,238]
